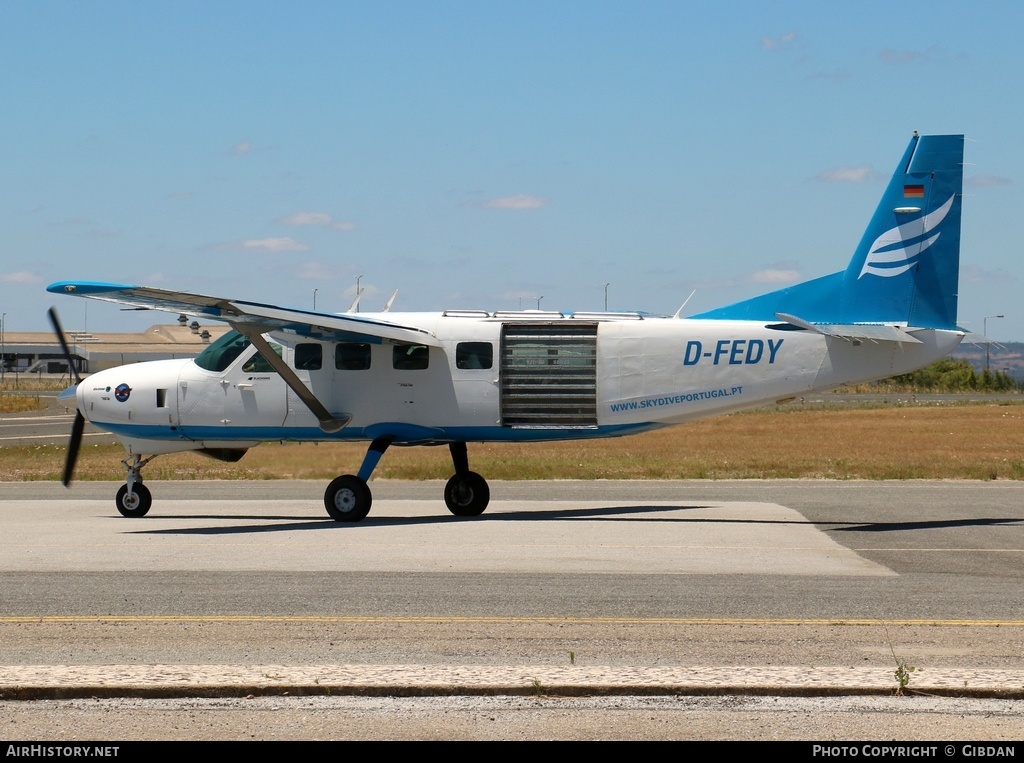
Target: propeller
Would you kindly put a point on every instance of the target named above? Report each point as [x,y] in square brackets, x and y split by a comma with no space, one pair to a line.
[78,427]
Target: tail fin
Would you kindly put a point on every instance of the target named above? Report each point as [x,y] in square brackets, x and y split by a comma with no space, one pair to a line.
[906,268]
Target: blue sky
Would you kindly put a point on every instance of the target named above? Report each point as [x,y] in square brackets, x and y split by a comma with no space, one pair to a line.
[484,154]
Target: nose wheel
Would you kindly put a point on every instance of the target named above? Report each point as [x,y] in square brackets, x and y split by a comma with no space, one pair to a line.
[133,498]
[135,504]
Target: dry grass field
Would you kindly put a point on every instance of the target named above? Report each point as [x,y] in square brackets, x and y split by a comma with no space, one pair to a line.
[982,441]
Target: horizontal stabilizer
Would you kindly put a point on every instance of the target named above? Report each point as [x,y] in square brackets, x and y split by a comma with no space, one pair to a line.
[876,333]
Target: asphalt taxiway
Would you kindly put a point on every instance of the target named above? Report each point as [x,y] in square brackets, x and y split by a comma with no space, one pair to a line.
[742,588]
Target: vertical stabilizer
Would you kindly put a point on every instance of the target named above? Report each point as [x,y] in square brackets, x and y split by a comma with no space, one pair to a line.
[907,265]
[906,268]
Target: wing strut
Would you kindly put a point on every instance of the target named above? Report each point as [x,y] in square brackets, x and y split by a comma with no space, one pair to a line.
[328,422]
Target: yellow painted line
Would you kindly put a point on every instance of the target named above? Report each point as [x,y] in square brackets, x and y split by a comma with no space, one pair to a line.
[487,620]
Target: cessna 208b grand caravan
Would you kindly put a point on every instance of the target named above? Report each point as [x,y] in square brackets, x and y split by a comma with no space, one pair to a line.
[461,376]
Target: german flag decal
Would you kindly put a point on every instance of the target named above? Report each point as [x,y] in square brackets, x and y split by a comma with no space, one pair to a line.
[913,191]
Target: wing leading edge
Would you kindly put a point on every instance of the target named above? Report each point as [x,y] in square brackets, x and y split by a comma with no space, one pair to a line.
[329,326]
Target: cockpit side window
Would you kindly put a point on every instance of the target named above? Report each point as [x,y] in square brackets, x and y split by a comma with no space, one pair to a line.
[222,353]
[257,364]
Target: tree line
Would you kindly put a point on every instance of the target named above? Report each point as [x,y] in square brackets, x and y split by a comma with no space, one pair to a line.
[951,375]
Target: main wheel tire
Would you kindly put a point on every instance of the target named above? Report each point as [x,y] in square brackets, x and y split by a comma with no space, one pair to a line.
[138,504]
[467,495]
[348,499]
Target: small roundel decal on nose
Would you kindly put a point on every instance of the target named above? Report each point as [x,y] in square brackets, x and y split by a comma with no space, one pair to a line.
[122,392]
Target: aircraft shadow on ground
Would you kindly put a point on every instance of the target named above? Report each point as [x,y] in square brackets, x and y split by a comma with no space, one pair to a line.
[878,527]
[627,513]
[281,523]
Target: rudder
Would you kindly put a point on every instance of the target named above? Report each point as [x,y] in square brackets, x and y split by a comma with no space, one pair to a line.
[906,268]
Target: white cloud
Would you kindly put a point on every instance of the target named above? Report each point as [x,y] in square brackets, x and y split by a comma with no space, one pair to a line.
[521,201]
[307,218]
[317,219]
[241,149]
[771,43]
[103,232]
[983,180]
[931,54]
[974,274]
[859,174]
[776,275]
[279,244]
[836,75]
[22,276]
[316,271]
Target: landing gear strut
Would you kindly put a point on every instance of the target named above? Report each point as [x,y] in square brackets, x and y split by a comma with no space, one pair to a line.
[133,498]
[348,497]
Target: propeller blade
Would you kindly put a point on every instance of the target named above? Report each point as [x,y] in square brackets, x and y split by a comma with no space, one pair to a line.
[73,446]
[55,322]
[78,427]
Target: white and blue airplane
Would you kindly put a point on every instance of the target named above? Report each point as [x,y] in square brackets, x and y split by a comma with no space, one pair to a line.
[462,376]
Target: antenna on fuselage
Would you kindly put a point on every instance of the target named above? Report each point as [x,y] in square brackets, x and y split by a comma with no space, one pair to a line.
[354,308]
[684,303]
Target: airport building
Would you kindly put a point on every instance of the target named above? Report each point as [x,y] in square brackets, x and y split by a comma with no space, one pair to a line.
[39,353]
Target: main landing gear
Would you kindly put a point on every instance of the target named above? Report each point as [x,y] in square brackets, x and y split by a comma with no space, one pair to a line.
[348,498]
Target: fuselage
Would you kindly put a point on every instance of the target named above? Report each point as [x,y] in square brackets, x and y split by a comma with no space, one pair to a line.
[488,377]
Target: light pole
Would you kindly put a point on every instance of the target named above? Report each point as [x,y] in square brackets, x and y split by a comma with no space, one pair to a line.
[538,301]
[358,291]
[606,297]
[314,299]
[984,324]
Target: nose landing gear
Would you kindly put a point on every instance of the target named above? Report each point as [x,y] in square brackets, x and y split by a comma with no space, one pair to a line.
[133,498]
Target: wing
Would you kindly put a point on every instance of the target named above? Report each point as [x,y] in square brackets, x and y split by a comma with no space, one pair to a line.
[255,315]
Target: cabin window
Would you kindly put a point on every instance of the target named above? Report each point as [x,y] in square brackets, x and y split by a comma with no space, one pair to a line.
[309,357]
[410,357]
[352,356]
[474,355]
[257,364]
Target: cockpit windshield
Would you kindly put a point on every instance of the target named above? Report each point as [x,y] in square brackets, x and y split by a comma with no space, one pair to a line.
[222,353]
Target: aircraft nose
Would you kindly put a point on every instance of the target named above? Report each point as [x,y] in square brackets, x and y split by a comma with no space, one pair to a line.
[69,396]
